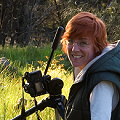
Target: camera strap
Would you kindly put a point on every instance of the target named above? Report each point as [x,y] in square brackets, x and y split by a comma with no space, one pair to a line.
[38,117]
[23,117]
[23,107]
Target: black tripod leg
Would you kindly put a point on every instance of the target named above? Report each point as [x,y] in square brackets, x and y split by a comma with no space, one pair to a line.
[41,106]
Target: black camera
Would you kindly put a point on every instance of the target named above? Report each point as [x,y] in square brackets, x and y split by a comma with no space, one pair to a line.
[38,85]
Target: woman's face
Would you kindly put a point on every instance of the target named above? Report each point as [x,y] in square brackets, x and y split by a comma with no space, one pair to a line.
[81,51]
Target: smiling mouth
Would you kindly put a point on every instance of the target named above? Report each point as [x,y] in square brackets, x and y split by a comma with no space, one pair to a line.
[77,56]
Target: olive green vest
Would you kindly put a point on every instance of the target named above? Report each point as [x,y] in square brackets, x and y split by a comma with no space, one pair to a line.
[107,68]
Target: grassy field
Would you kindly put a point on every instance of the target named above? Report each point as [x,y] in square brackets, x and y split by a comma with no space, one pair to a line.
[29,59]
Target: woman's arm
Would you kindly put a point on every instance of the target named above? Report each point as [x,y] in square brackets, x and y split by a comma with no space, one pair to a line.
[103,100]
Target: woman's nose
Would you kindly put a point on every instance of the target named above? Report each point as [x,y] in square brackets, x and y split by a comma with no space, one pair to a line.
[75,47]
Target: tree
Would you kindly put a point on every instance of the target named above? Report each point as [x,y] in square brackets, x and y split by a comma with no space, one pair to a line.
[26,21]
[16,18]
[21,20]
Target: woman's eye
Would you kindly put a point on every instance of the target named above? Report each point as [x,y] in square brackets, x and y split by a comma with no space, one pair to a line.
[70,41]
[83,43]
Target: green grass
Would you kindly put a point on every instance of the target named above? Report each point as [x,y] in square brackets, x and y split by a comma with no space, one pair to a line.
[29,59]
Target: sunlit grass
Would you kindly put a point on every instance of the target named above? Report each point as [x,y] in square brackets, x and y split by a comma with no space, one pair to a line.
[22,60]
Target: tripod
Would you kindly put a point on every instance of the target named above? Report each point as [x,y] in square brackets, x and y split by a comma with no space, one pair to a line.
[51,101]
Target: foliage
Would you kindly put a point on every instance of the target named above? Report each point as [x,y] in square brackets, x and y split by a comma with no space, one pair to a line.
[35,21]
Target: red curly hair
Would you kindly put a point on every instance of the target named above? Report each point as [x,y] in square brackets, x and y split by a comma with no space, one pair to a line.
[86,23]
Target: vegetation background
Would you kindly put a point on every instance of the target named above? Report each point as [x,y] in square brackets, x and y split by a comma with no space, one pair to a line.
[24,22]
[23,60]
[27,29]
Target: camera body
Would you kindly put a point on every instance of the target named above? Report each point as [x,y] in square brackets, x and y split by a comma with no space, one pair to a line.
[35,85]
[39,85]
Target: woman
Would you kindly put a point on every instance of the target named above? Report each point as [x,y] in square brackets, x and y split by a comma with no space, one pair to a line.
[95,92]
